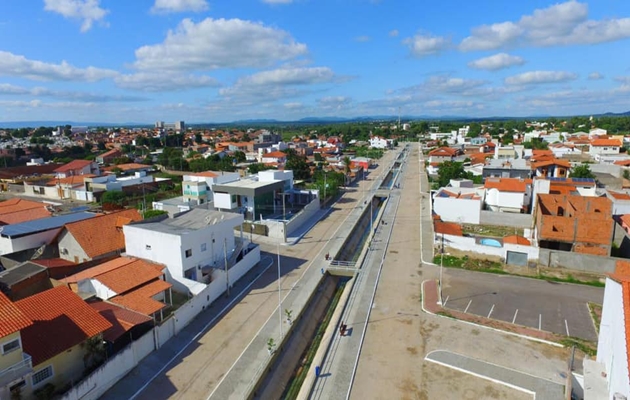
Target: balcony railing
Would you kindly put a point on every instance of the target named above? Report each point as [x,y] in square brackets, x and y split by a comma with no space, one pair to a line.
[17,370]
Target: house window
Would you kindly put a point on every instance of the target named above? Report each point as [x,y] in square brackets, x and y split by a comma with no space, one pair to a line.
[42,375]
[10,346]
[203,247]
[147,247]
[188,253]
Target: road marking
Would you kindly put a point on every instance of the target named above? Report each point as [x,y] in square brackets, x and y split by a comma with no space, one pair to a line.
[466,310]
[202,331]
[566,325]
[515,314]
[445,301]
[539,322]
[491,309]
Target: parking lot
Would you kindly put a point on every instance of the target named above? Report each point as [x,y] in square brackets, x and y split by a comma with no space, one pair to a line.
[548,306]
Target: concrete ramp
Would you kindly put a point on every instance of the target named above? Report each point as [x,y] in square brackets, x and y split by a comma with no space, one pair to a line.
[541,389]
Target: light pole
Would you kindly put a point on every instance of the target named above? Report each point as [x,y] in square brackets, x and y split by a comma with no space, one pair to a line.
[279,294]
[441,268]
[325,184]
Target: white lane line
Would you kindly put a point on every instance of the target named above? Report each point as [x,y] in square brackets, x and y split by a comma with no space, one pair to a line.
[515,314]
[491,309]
[466,310]
[566,325]
[202,331]
[445,301]
[539,322]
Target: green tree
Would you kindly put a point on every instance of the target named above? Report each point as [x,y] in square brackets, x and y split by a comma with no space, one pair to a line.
[298,165]
[257,167]
[450,170]
[198,138]
[113,197]
[582,171]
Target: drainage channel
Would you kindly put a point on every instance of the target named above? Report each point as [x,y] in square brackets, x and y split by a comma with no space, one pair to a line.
[284,377]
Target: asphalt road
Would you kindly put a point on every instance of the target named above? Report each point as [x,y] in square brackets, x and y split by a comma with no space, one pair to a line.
[550,306]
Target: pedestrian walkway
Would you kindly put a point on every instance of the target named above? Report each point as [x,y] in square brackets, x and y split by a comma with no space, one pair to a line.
[541,388]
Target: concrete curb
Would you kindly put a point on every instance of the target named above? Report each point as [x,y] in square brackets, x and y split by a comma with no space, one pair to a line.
[535,339]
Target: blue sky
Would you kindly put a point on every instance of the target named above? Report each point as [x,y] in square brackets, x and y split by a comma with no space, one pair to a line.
[218,61]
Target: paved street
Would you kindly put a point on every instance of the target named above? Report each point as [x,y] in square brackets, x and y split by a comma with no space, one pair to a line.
[554,307]
[400,335]
[222,360]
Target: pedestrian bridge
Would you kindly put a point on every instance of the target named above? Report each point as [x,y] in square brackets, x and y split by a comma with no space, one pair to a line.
[344,268]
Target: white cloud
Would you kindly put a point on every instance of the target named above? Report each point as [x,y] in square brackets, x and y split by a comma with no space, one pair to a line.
[164,81]
[219,43]
[87,11]
[538,77]
[560,24]
[8,89]
[496,62]
[334,103]
[424,45]
[17,65]
[363,38]
[293,105]
[394,33]
[440,84]
[177,6]
[289,76]
[593,76]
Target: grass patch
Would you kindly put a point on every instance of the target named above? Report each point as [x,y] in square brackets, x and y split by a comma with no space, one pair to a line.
[586,347]
[570,279]
[446,314]
[491,230]
[470,263]
[596,314]
[494,267]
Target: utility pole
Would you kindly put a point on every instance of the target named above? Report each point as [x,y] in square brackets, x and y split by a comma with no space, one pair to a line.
[227,274]
[441,268]
[325,184]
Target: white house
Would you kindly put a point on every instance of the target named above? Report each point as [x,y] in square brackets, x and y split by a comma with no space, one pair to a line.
[190,245]
[378,142]
[508,194]
[198,186]
[460,205]
[604,147]
[597,132]
[608,376]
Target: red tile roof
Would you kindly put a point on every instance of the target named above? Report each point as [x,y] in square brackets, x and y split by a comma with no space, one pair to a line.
[546,163]
[122,320]
[448,228]
[131,275]
[128,167]
[71,180]
[11,318]
[515,185]
[103,234]
[207,174]
[74,165]
[274,154]
[99,269]
[623,163]
[619,195]
[53,262]
[61,319]
[606,142]
[141,300]
[16,210]
[112,152]
[622,276]
[443,152]
[516,239]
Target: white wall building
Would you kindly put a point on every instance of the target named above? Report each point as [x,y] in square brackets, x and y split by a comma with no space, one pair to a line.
[613,343]
[190,245]
[604,147]
[378,142]
[460,205]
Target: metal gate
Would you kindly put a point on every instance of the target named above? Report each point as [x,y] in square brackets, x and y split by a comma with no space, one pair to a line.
[516,258]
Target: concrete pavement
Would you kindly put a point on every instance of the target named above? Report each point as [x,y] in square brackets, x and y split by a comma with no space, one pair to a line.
[222,359]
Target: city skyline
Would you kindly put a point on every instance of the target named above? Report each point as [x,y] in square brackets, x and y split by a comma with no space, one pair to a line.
[205,61]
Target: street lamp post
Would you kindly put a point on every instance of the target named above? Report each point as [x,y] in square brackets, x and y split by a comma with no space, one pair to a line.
[279,294]
[325,184]
[441,268]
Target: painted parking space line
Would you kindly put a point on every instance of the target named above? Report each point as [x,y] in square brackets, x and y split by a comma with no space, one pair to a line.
[539,322]
[469,303]
[491,309]
[566,325]
[446,301]
[515,314]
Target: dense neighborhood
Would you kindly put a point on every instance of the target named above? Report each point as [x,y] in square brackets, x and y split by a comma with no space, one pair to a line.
[114,239]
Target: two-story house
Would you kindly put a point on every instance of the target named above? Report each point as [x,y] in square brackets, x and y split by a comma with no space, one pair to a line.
[77,167]
[190,245]
[15,364]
